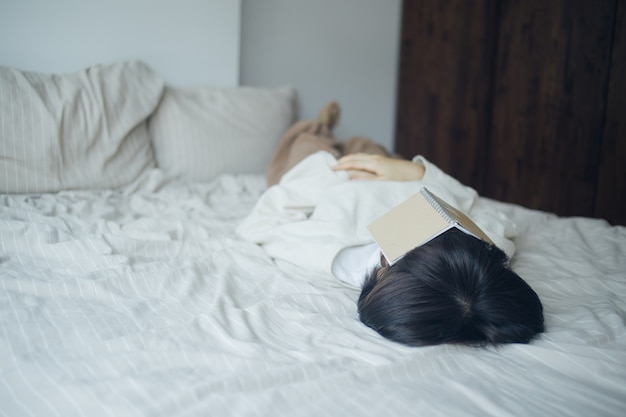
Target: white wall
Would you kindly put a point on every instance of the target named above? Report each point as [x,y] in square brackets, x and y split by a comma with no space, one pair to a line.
[328,49]
[345,50]
[186,41]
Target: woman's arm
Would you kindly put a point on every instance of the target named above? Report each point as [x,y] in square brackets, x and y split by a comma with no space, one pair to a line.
[360,166]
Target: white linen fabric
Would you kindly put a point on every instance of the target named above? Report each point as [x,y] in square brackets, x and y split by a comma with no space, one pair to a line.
[314,212]
[143,301]
[200,132]
[82,130]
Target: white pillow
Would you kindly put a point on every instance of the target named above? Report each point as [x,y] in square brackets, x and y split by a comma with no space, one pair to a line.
[82,130]
[200,132]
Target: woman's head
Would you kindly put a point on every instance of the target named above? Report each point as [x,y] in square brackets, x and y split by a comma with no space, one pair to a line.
[453,289]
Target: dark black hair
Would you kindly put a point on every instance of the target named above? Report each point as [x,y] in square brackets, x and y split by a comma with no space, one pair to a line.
[454,289]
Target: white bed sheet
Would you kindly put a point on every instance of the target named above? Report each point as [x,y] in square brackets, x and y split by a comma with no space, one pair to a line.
[143,301]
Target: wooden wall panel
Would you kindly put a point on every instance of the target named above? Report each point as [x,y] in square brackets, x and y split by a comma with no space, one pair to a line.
[523,100]
[548,113]
[611,192]
[444,83]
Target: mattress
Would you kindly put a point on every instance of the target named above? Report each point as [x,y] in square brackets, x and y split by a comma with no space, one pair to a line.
[142,300]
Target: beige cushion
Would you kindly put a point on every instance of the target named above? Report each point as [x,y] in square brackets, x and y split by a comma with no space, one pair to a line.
[201,132]
[82,130]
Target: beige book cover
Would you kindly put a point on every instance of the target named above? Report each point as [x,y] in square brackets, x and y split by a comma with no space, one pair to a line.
[417,220]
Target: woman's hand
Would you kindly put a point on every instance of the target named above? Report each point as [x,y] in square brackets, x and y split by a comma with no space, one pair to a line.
[361,166]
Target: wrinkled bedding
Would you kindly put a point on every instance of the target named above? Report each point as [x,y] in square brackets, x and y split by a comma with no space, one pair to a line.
[143,301]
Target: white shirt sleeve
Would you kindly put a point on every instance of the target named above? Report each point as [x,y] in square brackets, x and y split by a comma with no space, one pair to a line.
[353,264]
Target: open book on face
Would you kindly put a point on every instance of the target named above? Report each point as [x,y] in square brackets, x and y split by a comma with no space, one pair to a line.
[419,219]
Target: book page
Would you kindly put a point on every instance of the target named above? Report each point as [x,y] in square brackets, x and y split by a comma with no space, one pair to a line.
[406,226]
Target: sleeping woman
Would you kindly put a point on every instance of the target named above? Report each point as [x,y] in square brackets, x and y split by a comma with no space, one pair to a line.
[456,288]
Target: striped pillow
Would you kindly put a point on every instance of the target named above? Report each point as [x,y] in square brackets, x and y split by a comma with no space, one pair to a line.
[201,132]
[82,130]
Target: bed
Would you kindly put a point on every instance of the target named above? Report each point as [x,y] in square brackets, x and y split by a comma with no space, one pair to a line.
[125,291]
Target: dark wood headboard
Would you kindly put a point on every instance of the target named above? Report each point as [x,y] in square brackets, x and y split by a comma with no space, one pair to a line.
[523,100]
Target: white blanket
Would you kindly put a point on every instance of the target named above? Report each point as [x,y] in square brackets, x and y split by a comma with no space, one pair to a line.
[143,301]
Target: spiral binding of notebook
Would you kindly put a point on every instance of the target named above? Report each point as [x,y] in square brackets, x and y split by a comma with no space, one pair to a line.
[435,205]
